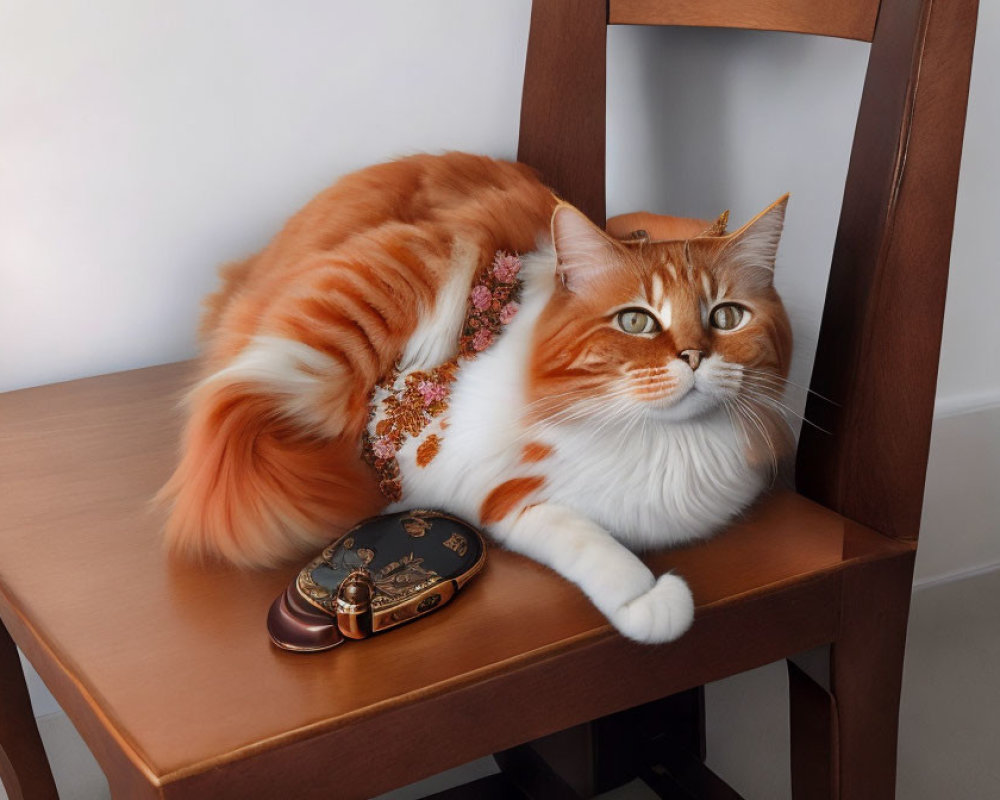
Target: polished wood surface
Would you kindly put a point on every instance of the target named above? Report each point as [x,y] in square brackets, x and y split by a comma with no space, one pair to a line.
[562,105]
[169,667]
[847,19]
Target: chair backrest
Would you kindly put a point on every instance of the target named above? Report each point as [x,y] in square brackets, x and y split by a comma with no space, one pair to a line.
[880,336]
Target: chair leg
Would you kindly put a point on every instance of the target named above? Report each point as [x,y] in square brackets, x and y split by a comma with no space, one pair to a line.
[813,722]
[845,712]
[24,768]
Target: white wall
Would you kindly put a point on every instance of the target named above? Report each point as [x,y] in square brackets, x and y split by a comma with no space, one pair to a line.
[143,143]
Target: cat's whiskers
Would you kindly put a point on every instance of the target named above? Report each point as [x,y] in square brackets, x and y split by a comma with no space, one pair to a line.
[752,417]
[727,383]
[766,379]
[768,400]
[736,419]
[767,389]
[589,407]
[539,405]
[585,391]
[615,415]
[786,381]
[755,419]
[608,408]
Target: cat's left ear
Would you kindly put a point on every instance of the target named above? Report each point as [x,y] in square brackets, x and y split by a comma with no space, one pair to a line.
[583,251]
[752,250]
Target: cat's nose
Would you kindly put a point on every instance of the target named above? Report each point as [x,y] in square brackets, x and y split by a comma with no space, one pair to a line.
[693,357]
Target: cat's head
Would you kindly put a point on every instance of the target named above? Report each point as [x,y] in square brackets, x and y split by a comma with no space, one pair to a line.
[663,331]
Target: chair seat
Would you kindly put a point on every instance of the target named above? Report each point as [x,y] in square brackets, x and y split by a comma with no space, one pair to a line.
[167,669]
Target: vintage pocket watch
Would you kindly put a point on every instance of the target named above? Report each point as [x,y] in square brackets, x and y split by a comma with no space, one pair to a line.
[383,572]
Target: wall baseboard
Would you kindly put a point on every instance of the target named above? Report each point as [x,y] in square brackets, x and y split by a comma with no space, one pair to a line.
[954,575]
[958,532]
[966,403]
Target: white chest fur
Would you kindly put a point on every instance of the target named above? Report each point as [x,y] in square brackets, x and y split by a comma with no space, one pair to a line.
[654,486]
[650,485]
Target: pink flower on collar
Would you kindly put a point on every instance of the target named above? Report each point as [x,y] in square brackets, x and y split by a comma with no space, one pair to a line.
[505,267]
[482,339]
[481,298]
[383,447]
[432,392]
[507,312]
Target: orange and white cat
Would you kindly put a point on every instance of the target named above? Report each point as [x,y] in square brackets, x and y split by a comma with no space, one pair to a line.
[631,400]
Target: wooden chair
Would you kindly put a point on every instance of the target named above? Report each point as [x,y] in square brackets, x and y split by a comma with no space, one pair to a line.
[168,674]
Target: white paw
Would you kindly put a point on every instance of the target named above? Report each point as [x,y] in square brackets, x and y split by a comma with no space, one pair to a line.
[659,615]
[612,582]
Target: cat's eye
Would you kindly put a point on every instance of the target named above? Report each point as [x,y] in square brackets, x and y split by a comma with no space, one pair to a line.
[729,316]
[636,321]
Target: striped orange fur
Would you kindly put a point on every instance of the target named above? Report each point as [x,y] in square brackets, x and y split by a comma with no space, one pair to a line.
[271,464]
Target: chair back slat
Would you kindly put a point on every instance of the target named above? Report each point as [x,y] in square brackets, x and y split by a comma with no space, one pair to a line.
[880,337]
[563,103]
[846,19]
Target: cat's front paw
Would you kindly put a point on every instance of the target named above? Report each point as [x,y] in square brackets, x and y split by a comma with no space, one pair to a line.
[659,615]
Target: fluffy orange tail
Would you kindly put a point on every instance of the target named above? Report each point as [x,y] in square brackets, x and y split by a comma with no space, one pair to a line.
[253,489]
[299,334]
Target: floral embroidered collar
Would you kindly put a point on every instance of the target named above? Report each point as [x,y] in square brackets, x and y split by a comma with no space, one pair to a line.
[402,406]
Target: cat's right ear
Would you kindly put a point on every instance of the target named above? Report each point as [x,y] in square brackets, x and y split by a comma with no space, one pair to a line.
[583,251]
